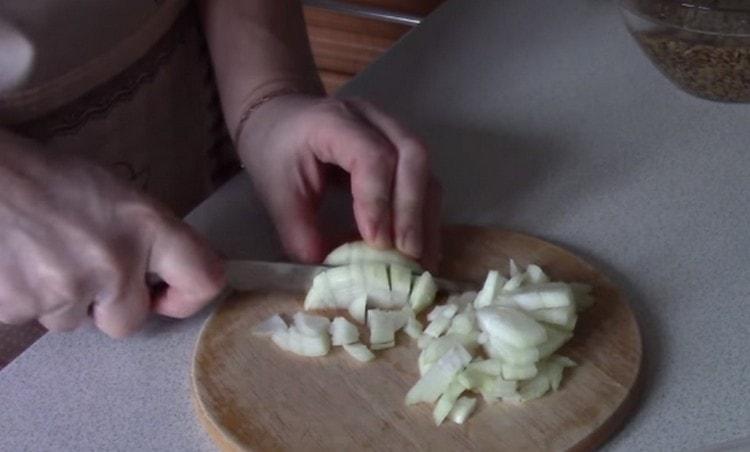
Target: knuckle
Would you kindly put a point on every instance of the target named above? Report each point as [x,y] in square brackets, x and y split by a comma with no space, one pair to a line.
[415,151]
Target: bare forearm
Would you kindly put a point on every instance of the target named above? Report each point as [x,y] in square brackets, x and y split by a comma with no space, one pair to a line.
[257,47]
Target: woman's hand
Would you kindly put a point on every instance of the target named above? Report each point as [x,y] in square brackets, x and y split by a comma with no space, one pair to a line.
[76,241]
[286,145]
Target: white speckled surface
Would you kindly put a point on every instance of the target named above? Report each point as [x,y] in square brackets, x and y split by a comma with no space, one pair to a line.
[544,117]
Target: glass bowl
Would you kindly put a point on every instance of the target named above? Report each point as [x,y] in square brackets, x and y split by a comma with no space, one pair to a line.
[703,47]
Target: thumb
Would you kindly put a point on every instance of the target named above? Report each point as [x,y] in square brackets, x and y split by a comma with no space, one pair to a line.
[194,274]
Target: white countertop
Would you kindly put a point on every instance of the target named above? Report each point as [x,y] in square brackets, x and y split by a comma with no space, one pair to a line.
[543,117]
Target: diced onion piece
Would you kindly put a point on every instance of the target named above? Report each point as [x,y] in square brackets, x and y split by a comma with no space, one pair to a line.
[483,338]
[582,296]
[514,283]
[534,388]
[492,366]
[447,310]
[511,326]
[320,295]
[384,324]
[358,308]
[383,345]
[437,327]
[563,317]
[270,326]
[438,378]
[462,409]
[343,332]
[554,369]
[281,339]
[473,379]
[519,372]
[499,388]
[513,269]
[434,351]
[446,401]
[378,287]
[400,284]
[343,286]
[535,275]
[489,290]
[360,352]
[360,252]
[423,292]
[541,296]
[555,339]
[463,323]
[424,341]
[413,328]
[294,341]
[508,353]
[311,325]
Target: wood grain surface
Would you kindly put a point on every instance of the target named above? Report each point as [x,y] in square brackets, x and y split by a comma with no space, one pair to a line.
[250,395]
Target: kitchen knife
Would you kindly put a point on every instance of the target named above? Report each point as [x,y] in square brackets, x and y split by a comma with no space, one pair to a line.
[249,275]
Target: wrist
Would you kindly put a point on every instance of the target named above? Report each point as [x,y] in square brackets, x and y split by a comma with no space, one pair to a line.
[270,91]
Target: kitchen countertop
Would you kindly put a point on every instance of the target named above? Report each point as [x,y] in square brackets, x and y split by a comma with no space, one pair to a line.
[543,117]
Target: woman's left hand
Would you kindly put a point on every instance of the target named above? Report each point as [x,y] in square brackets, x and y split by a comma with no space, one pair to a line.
[286,145]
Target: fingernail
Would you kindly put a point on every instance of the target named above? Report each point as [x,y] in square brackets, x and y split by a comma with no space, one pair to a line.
[411,243]
[381,233]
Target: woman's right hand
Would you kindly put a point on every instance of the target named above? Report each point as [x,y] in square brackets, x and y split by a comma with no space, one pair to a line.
[76,242]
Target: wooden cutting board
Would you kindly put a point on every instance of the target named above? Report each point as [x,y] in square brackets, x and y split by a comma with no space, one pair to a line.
[250,395]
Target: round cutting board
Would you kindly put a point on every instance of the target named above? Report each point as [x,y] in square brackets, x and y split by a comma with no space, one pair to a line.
[250,395]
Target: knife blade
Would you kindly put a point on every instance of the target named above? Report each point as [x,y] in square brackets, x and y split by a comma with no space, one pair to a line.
[249,275]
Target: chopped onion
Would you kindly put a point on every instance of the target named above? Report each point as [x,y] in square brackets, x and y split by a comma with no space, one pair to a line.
[582,296]
[514,283]
[423,292]
[446,401]
[358,308]
[541,296]
[465,322]
[508,353]
[438,378]
[360,252]
[534,388]
[384,324]
[462,409]
[378,287]
[343,287]
[555,339]
[511,326]
[343,332]
[499,388]
[489,290]
[564,317]
[320,295]
[400,283]
[437,327]
[535,275]
[424,341]
[472,378]
[513,269]
[413,328]
[492,366]
[447,310]
[360,352]
[383,345]
[519,372]
[311,325]
[270,326]
[294,341]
